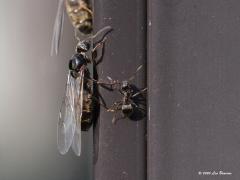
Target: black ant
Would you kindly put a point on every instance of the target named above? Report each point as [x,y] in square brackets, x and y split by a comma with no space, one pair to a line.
[128,105]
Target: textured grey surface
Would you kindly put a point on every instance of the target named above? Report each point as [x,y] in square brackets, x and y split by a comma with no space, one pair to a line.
[32,87]
[194,91]
[120,148]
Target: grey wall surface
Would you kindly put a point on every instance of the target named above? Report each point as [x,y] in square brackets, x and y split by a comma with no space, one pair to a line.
[32,85]
[194,89]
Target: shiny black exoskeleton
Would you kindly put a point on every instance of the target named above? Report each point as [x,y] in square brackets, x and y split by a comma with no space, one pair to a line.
[79,59]
[127,105]
[75,64]
[132,102]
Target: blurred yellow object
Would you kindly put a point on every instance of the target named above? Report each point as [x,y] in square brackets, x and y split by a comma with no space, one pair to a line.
[80,15]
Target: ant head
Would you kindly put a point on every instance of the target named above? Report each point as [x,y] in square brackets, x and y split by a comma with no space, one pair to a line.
[125,86]
[83,46]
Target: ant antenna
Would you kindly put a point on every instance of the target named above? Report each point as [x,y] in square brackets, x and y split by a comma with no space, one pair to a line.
[139,92]
[135,73]
[106,28]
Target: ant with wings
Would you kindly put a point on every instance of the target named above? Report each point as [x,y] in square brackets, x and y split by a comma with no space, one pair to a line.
[77,106]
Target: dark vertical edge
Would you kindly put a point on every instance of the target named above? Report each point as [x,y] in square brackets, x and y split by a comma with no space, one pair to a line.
[149,10]
[120,150]
[158,91]
[152,143]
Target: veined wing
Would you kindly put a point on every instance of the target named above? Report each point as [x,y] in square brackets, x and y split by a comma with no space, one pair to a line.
[67,119]
[76,143]
[58,28]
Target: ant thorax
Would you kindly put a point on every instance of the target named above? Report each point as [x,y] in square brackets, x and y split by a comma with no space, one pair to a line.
[126,89]
[77,61]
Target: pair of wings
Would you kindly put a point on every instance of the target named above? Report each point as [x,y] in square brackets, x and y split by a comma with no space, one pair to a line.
[58,28]
[69,125]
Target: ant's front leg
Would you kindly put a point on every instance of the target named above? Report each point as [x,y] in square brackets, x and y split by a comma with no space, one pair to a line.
[109,85]
[115,107]
[104,84]
[98,59]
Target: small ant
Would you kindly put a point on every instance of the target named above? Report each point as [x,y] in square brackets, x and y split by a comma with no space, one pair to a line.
[127,105]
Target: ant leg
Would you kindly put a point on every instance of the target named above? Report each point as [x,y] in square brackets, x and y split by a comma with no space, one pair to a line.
[108,29]
[110,86]
[114,120]
[135,73]
[100,102]
[139,92]
[102,83]
[138,107]
[115,107]
[101,43]
[97,59]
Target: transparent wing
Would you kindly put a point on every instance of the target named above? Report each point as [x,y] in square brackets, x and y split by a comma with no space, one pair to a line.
[58,28]
[76,144]
[67,119]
